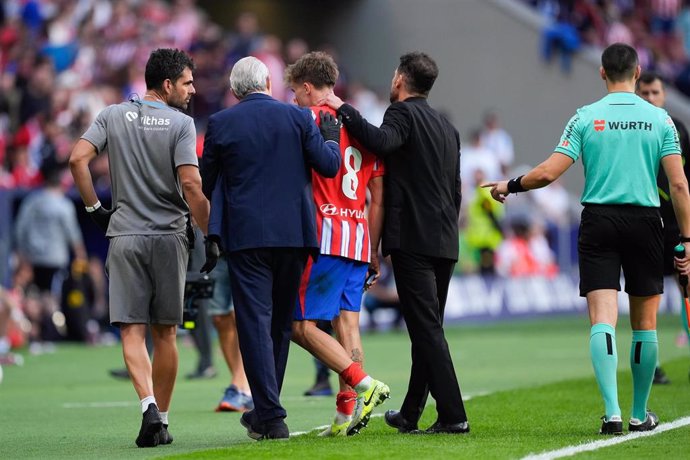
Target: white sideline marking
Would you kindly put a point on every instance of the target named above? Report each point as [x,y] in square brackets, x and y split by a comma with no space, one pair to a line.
[323,427]
[590,446]
[99,405]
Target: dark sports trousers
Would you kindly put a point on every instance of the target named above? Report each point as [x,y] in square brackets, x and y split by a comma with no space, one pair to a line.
[265,284]
[422,283]
[612,237]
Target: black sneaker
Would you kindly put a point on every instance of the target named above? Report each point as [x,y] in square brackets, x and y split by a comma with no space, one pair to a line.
[164,436]
[613,426]
[151,425]
[660,377]
[650,422]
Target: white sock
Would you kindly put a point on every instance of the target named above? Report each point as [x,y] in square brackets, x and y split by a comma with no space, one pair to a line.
[164,417]
[363,384]
[145,403]
[341,418]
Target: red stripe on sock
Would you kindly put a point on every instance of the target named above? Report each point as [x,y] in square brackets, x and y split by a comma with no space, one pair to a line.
[353,374]
[345,402]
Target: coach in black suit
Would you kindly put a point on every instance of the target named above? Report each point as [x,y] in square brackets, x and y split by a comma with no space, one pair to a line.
[265,150]
[422,201]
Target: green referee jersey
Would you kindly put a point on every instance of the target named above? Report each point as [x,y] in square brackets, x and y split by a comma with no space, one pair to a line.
[621,139]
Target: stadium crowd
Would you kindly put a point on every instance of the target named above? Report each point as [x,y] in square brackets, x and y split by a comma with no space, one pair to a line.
[659,30]
[63,61]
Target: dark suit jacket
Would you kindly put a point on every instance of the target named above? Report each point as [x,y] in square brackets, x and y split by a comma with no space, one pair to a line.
[266,150]
[422,183]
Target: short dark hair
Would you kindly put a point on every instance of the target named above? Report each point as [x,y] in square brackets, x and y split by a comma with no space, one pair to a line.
[420,72]
[317,68]
[647,77]
[164,64]
[619,62]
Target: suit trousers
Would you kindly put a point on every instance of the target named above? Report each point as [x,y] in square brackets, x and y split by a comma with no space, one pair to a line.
[265,284]
[422,283]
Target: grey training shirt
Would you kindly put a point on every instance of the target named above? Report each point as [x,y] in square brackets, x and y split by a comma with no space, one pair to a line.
[146,142]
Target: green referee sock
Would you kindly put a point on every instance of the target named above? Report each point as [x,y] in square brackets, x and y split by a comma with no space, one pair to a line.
[602,348]
[643,354]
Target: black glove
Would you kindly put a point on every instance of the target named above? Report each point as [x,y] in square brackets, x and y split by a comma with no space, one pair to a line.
[191,234]
[101,217]
[329,126]
[212,245]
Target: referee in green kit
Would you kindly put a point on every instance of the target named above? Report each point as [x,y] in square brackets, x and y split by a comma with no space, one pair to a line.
[621,139]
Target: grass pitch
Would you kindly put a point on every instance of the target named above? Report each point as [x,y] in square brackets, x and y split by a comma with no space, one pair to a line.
[530,387]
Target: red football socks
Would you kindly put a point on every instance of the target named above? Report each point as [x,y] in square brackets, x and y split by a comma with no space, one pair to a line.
[345,402]
[353,374]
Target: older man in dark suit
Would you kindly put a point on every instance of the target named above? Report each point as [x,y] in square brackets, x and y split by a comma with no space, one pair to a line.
[421,200]
[265,150]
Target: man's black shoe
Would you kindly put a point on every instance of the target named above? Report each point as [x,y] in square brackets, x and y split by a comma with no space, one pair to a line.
[119,373]
[151,425]
[276,430]
[395,419]
[251,431]
[164,437]
[660,377]
[449,428]
[650,422]
[613,426]
[320,388]
[273,430]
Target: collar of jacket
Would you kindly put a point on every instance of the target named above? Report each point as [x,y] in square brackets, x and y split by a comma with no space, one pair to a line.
[255,96]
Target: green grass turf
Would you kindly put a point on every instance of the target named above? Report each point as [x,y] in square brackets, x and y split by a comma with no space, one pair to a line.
[530,381]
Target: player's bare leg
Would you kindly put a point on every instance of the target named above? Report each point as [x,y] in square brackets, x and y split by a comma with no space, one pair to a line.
[230,346]
[323,346]
[165,362]
[346,328]
[138,364]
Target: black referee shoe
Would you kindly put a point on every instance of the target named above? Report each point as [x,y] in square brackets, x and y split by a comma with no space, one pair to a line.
[613,426]
[660,377]
[650,422]
[151,424]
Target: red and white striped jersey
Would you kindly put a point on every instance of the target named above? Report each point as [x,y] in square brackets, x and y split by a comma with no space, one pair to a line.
[340,218]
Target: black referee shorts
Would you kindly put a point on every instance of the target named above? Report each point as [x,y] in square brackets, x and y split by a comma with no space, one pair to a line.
[615,236]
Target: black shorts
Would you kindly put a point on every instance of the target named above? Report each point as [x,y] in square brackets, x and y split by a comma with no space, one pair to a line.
[615,236]
[671,240]
[44,277]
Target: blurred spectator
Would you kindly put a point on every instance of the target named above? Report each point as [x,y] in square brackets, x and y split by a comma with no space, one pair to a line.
[560,36]
[498,140]
[683,26]
[483,232]
[269,52]
[45,231]
[475,156]
[525,252]
[368,103]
